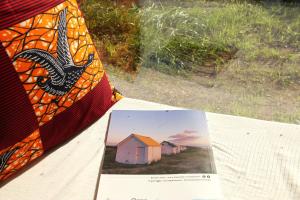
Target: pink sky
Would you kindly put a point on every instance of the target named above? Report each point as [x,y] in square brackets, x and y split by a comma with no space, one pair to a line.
[184,127]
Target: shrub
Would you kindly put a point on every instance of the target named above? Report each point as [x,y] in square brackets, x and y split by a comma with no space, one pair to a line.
[117,29]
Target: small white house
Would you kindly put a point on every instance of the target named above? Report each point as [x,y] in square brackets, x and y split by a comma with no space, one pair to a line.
[182,148]
[168,148]
[138,149]
[178,149]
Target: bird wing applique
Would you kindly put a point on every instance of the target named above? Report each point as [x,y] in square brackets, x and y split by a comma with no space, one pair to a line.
[46,60]
[62,73]
[5,157]
[63,50]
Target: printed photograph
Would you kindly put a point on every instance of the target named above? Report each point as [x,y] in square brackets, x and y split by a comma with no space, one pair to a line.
[158,142]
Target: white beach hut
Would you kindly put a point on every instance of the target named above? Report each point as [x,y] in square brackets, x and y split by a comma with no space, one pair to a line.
[178,149]
[182,148]
[138,149]
[168,148]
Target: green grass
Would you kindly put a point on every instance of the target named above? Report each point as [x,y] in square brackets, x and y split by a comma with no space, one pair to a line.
[186,38]
[248,50]
[196,36]
[116,31]
[193,160]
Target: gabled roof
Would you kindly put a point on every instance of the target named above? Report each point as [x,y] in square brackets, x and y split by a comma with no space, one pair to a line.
[169,143]
[146,140]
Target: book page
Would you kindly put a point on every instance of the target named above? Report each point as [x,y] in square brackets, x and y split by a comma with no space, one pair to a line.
[158,155]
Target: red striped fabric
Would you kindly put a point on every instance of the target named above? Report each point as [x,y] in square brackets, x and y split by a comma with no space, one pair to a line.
[78,117]
[15,11]
[17,119]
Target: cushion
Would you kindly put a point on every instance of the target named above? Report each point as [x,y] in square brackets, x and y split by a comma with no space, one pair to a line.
[53,84]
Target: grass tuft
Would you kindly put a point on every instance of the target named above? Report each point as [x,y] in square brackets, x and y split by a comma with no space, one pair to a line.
[117,30]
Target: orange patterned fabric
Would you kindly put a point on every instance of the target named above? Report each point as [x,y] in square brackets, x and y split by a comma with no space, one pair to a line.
[41,32]
[24,152]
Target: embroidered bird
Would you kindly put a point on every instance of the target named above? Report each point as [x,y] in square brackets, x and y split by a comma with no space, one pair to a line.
[62,72]
[5,157]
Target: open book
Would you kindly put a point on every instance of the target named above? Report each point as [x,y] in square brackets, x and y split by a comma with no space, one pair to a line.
[158,155]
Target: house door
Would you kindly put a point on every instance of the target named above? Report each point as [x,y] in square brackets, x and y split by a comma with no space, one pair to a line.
[140,155]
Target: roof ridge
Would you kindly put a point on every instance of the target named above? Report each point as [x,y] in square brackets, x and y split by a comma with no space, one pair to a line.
[170,143]
[146,140]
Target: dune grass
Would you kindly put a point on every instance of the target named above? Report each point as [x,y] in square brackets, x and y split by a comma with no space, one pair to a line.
[248,50]
[116,30]
[178,38]
[196,36]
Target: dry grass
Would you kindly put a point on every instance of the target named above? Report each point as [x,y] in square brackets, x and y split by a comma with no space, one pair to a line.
[249,53]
